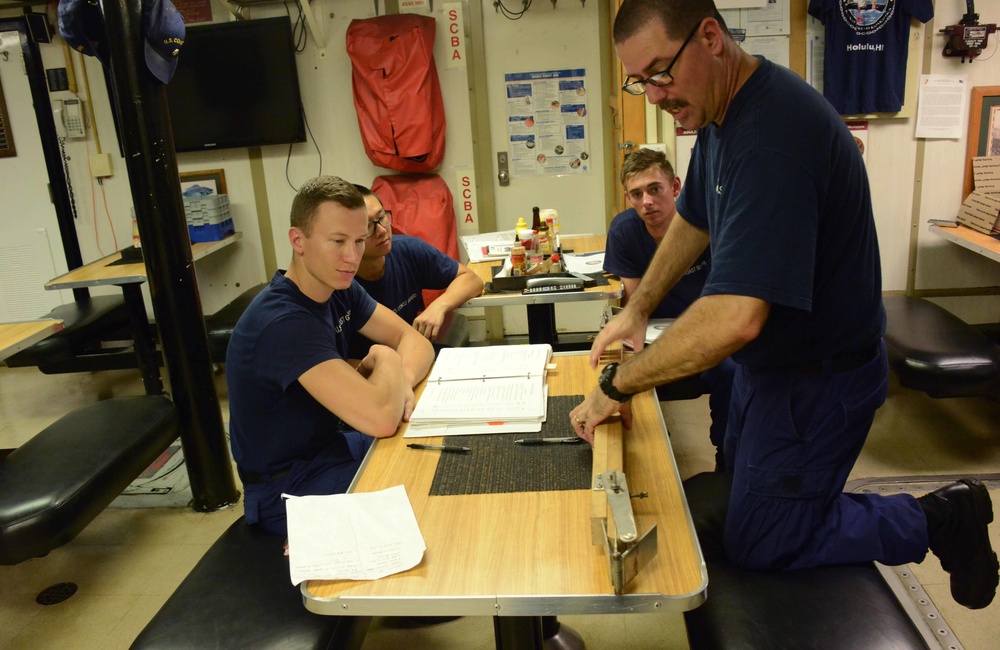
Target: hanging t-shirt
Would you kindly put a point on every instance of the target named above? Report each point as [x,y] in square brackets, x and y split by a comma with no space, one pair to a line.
[867,42]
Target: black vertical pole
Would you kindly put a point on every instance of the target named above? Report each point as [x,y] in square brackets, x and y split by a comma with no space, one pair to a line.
[58,184]
[141,104]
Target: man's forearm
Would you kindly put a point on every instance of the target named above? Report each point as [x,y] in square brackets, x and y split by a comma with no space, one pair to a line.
[679,249]
[417,355]
[466,286]
[710,330]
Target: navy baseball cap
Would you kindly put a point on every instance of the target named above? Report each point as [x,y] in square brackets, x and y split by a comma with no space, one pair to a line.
[163,33]
[81,24]
[82,27]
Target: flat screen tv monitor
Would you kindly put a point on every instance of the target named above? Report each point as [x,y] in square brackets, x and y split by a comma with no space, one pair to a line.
[236,85]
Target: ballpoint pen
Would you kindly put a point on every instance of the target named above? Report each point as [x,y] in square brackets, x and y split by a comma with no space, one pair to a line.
[549,441]
[439,447]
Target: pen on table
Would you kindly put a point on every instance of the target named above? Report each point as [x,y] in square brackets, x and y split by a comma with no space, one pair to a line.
[439,447]
[548,441]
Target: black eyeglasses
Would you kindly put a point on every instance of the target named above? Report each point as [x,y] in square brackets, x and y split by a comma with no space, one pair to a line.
[384,219]
[660,79]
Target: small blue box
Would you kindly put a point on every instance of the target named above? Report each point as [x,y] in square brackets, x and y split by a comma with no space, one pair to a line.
[211,232]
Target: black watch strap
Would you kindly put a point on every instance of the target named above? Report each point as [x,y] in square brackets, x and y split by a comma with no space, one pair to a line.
[607,383]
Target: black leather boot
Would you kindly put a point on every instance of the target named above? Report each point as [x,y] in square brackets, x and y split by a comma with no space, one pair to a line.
[957,519]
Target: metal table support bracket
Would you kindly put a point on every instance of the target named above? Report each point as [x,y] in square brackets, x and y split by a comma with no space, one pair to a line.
[627,552]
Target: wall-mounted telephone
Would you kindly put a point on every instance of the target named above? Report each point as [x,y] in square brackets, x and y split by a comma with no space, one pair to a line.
[68,116]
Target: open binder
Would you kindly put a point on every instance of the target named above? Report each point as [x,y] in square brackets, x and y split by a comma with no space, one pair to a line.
[494,389]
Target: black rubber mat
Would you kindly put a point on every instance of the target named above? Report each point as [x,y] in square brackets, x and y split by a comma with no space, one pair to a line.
[496,464]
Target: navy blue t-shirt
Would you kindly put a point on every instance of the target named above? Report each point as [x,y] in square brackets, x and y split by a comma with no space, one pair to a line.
[783,191]
[411,266]
[866,51]
[281,335]
[629,251]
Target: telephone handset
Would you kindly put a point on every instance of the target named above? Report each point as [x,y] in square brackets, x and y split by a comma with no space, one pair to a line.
[69,118]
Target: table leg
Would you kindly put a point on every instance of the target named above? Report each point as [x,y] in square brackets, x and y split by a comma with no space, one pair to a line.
[145,346]
[518,632]
[542,324]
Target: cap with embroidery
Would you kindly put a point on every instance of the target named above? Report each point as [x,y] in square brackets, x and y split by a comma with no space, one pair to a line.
[163,32]
[81,25]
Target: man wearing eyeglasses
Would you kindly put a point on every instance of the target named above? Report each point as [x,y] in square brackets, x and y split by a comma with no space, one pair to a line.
[301,417]
[778,188]
[395,269]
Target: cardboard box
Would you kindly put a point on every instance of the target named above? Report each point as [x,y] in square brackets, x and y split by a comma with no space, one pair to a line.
[981,209]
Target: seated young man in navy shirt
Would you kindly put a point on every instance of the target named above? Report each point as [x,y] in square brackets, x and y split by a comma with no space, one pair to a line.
[651,188]
[301,417]
[395,269]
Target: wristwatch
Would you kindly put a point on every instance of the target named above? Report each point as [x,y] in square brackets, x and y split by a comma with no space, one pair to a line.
[607,384]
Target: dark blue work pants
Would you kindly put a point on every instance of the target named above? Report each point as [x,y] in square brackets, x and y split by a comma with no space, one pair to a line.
[791,443]
[719,381]
[330,472]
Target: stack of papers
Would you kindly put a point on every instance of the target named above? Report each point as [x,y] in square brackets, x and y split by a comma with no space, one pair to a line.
[488,245]
[495,389]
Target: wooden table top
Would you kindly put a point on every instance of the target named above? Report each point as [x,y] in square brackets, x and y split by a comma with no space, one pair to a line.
[972,239]
[101,272]
[530,553]
[577,243]
[15,337]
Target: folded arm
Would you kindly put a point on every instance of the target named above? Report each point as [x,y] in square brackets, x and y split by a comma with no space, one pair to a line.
[466,286]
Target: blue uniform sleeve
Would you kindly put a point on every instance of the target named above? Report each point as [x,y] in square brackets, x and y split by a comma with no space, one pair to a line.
[436,269]
[291,345]
[617,258]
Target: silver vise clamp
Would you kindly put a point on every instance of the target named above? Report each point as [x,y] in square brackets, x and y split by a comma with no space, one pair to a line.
[627,552]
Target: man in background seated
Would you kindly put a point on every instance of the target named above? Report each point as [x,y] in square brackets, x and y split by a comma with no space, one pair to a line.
[301,417]
[651,187]
[396,269]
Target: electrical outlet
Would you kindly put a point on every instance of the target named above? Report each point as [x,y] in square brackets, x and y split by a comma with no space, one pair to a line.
[101,165]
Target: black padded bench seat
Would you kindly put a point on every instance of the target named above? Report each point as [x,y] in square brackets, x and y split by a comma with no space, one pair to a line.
[77,346]
[239,595]
[832,608]
[53,485]
[934,351]
[220,324]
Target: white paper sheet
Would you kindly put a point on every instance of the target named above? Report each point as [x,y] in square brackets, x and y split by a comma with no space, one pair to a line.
[584,262]
[940,106]
[361,536]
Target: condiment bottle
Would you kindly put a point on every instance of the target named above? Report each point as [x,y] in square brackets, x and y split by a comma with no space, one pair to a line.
[544,239]
[551,265]
[536,218]
[517,265]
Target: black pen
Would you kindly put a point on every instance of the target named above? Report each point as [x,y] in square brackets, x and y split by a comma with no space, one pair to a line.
[548,441]
[439,447]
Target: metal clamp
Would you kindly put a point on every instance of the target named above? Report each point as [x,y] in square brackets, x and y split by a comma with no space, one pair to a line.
[627,552]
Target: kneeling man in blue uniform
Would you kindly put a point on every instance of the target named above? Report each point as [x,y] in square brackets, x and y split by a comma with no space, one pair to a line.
[301,417]
[778,188]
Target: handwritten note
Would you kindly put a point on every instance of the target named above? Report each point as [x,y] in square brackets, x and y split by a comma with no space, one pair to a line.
[360,536]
